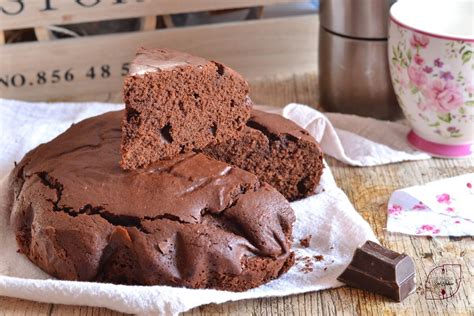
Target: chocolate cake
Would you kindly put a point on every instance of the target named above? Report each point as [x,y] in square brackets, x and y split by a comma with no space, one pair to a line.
[189,221]
[176,103]
[277,151]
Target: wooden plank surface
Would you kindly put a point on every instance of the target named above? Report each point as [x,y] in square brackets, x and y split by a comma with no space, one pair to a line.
[68,68]
[368,189]
[17,14]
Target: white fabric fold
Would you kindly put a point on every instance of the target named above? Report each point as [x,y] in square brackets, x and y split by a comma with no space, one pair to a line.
[355,140]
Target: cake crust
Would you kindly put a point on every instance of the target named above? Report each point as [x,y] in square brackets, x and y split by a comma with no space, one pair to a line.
[189,221]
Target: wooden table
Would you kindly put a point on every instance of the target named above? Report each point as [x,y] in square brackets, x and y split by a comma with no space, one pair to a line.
[369,190]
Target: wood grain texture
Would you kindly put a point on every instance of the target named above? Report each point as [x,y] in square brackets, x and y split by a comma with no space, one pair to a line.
[369,190]
[35,13]
[269,49]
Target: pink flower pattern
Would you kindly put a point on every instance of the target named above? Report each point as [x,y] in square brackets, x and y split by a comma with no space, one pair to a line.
[428,228]
[438,63]
[417,76]
[444,198]
[419,60]
[442,96]
[395,209]
[419,206]
[446,75]
[419,40]
[428,69]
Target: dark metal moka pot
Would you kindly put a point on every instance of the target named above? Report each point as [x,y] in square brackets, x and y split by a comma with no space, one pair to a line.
[353,65]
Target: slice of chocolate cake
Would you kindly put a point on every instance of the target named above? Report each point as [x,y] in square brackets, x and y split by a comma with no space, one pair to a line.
[277,151]
[176,102]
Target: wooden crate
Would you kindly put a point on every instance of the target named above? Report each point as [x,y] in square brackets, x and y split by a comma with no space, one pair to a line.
[65,69]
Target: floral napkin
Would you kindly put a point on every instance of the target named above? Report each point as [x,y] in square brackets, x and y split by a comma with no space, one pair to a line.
[440,208]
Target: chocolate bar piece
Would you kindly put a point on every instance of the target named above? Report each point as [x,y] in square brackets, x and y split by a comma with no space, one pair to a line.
[380,270]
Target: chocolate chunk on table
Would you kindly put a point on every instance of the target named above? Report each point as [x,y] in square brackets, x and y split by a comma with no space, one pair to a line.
[380,270]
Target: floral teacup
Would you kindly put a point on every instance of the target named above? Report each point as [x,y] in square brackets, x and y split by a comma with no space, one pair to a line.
[431,54]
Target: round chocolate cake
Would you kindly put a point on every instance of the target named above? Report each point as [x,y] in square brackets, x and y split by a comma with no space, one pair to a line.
[190,221]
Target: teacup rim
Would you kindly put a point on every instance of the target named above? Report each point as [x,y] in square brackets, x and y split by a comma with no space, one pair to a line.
[445,37]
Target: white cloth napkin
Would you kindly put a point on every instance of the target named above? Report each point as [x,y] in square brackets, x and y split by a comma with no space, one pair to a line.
[355,140]
[440,208]
[336,228]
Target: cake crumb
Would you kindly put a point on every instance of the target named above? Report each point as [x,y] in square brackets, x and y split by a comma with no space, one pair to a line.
[318,257]
[306,269]
[305,241]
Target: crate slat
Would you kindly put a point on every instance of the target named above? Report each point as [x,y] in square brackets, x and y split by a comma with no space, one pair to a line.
[148,23]
[43,34]
[257,48]
[33,14]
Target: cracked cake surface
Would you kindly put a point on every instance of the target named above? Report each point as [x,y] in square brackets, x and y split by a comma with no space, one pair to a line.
[277,151]
[177,103]
[189,221]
